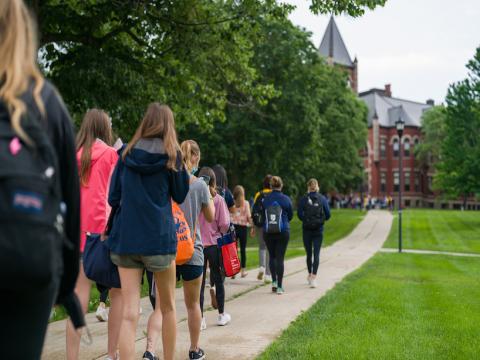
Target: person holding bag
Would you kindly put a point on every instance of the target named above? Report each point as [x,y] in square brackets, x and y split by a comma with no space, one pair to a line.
[148,175]
[96,161]
[39,237]
[210,233]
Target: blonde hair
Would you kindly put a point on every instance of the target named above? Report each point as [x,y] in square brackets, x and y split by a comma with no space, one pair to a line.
[95,125]
[189,149]
[18,47]
[312,185]
[276,182]
[158,122]
[239,195]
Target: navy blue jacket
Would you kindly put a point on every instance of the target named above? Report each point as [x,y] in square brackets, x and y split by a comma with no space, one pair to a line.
[286,205]
[303,201]
[143,187]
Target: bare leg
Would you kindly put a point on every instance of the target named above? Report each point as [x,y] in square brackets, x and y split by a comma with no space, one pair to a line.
[114,321]
[154,326]
[165,281]
[191,291]
[82,289]
[130,279]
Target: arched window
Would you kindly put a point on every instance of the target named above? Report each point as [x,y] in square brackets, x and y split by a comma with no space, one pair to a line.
[406,147]
[396,147]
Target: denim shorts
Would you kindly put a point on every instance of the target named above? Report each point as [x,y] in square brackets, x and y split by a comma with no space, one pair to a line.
[153,263]
[189,272]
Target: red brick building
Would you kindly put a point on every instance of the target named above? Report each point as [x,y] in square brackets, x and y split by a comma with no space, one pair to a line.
[381,155]
[383,147]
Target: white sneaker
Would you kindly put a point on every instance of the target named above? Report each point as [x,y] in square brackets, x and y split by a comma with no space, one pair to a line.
[267,279]
[223,319]
[102,313]
[203,325]
[313,283]
[309,280]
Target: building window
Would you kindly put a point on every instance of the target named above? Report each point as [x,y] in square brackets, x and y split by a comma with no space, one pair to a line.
[396,181]
[407,203]
[396,147]
[406,147]
[383,182]
[383,147]
[407,181]
[417,182]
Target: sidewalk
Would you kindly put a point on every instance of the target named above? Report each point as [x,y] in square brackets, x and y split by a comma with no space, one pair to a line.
[258,316]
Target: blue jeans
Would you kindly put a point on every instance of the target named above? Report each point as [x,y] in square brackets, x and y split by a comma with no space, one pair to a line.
[312,240]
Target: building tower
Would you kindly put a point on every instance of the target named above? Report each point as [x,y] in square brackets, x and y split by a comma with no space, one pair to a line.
[334,50]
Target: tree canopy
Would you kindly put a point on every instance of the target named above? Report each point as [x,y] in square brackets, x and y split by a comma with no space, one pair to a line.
[452,136]
[239,76]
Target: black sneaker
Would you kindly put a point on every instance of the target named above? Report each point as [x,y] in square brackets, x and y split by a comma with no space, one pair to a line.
[196,355]
[147,355]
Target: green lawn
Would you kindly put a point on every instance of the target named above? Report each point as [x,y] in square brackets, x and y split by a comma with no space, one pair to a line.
[397,306]
[442,230]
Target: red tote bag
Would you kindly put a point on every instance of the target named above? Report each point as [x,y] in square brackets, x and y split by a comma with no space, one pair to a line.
[228,248]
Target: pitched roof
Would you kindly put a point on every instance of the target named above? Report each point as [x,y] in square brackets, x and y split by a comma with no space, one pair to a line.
[332,45]
[388,109]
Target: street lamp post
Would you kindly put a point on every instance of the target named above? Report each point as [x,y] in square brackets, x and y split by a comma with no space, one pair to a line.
[400,125]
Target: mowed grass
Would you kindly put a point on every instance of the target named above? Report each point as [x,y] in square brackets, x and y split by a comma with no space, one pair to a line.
[397,306]
[440,230]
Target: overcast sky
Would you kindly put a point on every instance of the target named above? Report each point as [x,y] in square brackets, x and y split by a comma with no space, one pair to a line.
[419,46]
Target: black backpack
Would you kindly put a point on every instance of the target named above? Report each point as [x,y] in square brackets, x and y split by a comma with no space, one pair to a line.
[30,218]
[314,214]
[258,211]
[273,219]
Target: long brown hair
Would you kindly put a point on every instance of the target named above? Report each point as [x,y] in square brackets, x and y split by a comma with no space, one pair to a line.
[95,125]
[158,122]
[18,48]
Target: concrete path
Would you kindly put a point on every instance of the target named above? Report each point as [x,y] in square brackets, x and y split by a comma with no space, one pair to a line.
[258,316]
[429,252]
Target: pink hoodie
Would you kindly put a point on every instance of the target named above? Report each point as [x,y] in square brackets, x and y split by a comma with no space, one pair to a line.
[212,231]
[94,209]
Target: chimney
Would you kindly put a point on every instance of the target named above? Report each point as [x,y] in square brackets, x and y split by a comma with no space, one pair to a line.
[388,90]
[431,102]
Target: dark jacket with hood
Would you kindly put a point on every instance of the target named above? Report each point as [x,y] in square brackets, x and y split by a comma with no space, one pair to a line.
[58,126]
[142,188]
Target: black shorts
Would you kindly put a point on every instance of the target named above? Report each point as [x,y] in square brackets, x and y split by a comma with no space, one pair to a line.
[189,272]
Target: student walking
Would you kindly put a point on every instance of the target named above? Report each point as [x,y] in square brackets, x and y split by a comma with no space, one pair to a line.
[198,201]
[96,161]
[210,233]
[313,211]
[148,175]
[37,172]
[278,214]
[259,212]
[242,219]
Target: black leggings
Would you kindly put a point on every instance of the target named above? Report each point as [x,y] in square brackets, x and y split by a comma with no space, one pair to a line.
[22,332]
[212,255]
[312,239]
[103,290]
[277,246]
[241,231]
